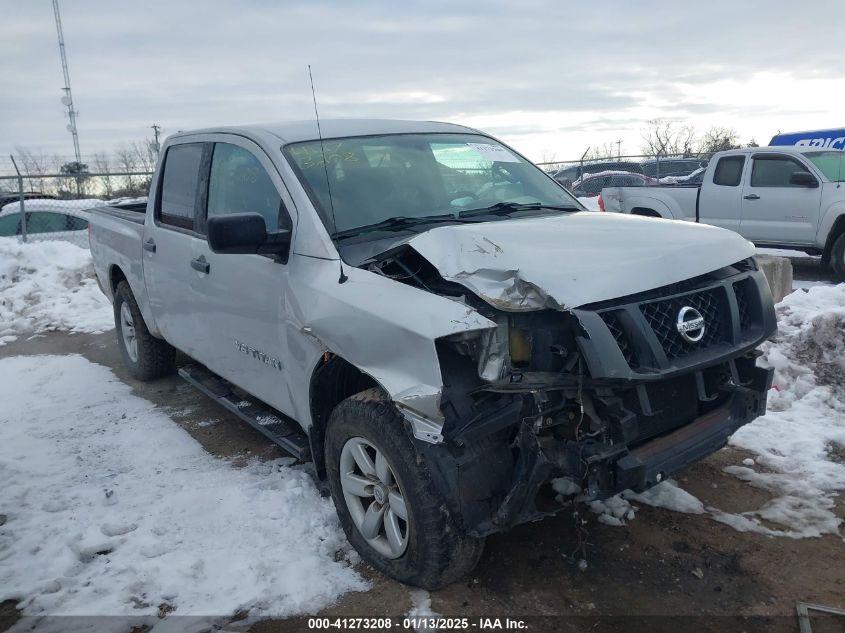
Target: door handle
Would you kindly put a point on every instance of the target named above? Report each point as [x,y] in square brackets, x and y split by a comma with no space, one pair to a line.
[200,264]
[150,245]
[752,196]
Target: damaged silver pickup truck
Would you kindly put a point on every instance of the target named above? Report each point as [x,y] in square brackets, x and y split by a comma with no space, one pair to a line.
[435,323]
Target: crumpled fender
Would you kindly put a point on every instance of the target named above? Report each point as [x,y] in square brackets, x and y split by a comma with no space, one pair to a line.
[384,328]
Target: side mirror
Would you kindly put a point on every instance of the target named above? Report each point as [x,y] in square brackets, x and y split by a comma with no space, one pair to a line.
[803,179]
[245,234]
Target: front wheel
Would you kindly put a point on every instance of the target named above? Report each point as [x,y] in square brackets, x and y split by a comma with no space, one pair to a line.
[837,258]
[387,505]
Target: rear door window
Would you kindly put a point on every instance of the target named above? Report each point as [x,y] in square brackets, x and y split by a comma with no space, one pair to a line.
[10,225]
[76,224]
[180,185]
[728,171]
[594,186]
[625,181]
[46,222]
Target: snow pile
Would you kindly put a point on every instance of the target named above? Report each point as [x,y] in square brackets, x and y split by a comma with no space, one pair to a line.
[800,442]
[613,511]
[49,286]
[616,510]
[421,610]
[668,495]
[50,204]
[113,509]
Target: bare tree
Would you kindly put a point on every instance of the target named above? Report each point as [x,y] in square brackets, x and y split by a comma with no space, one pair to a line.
[102,165]
[548,156]
[718,139]
[127,161]
[604,151]
[136,157]
[145,154]
[665,136]
[35,165]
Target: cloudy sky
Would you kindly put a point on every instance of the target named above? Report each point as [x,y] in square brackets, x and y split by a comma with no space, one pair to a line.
[550,78]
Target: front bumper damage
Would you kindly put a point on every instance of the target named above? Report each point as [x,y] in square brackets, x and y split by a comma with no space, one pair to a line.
[609,402]
[491,487]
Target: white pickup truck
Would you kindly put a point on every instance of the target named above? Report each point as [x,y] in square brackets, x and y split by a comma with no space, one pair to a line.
[436,324]
[791,197]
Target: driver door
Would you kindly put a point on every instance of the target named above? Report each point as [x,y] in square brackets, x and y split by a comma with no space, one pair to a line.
[775,211]
[244,296]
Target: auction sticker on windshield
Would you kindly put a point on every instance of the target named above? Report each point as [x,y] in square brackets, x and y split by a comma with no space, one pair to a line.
[493,153]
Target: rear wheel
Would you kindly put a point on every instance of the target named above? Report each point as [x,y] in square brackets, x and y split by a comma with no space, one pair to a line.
[146,357]
[385,500]
[837,258]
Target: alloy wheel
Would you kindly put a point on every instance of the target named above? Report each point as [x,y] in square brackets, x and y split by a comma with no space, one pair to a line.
[373,497]
[127,331]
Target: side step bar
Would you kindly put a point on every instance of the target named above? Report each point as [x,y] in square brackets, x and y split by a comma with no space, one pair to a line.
[284,432]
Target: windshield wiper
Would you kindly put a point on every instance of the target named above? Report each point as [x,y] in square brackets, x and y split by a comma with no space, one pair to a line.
[395,223]
[503,208]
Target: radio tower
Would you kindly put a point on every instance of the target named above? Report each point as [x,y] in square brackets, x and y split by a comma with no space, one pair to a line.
[67,99]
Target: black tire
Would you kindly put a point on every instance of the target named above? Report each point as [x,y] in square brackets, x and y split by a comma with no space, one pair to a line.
[438,552]
[837,258]
[154,357]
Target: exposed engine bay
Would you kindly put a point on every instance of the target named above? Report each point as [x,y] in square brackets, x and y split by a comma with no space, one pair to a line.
[601,395]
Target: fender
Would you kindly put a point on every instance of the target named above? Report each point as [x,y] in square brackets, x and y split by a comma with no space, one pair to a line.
[655,203]
[831,224]
[365,320]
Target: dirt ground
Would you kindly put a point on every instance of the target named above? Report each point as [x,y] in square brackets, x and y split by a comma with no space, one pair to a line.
[691,571]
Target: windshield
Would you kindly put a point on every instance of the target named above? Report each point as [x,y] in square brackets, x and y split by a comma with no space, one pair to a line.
[377,178]
[831,164]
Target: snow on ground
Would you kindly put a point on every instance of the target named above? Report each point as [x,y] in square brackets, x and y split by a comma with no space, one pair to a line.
[49,286]
[808,283]
[113,509]
[421,610]
[592,204]
[800,442]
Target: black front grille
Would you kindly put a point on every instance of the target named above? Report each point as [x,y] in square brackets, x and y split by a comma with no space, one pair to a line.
[662,316]
[611,320]
[741,289]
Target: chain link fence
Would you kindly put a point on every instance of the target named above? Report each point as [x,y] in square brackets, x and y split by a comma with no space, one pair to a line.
[57,206]
[665,168]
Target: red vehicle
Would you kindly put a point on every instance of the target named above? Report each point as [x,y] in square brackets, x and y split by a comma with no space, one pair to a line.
[592,184]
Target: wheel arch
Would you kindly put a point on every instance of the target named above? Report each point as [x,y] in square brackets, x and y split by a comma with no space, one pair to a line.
[116,275]
[836,230]
[333,380]
[645,212]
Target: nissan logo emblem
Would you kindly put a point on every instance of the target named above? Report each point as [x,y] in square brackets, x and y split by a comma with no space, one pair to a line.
[690,324]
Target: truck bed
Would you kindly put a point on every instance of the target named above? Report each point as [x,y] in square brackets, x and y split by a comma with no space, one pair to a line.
[674,201]
[132,211]
[116,233]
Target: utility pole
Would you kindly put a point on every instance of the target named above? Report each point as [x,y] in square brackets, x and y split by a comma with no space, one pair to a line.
[156,130]
[619,149]
[67,100]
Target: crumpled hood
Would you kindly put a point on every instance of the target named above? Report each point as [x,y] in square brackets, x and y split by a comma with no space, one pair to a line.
[570,260]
